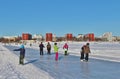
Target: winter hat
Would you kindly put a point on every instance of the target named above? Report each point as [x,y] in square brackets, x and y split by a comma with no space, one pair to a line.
[22,46]
[87,44]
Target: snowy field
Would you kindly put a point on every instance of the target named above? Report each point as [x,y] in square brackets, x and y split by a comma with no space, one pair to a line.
[104,62]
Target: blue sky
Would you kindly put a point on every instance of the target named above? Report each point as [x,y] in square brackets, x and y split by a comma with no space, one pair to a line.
[59,17]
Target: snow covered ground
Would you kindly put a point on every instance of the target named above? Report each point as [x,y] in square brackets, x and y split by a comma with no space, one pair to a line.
[68,67]
[10,69]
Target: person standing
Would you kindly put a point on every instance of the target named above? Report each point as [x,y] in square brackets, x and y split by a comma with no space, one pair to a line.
[48,48]
[41,46]
[56,51]
[22,54]
[82,53]
[65,47]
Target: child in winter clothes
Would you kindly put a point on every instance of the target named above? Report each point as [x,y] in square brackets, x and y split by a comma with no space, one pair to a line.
[56,51]
[65,47]
[49,48]
[82,53]
[22,54]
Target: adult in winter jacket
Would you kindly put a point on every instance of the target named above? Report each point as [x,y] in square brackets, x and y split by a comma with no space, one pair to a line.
[22,54]
[41,46]
[87,51]
[65,47]
[56,51]
[49,48]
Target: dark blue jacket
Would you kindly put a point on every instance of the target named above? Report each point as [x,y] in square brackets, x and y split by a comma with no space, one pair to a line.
[22,51]
[41,46]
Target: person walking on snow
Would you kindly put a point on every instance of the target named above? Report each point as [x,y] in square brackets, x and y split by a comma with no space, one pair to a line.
[48,48]
[56,51]
[22,54]
[41,46]
[65,47]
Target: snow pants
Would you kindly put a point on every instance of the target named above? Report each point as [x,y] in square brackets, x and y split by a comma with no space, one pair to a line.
[48,51]
[65,53]
[56,56]
[86,56]
[82,56]
[21,59]
[41,51]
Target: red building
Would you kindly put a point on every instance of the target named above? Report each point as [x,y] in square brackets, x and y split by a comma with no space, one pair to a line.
[26,36]
[49,37]
[69,37]
[89,37]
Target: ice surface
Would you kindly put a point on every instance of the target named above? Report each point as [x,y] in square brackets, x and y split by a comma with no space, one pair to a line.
[67,67]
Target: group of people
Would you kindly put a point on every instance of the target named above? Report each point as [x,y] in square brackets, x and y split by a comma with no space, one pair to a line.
[41,46]
[85,50]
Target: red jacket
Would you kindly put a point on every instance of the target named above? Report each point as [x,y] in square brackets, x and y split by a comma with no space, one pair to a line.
[65,46]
